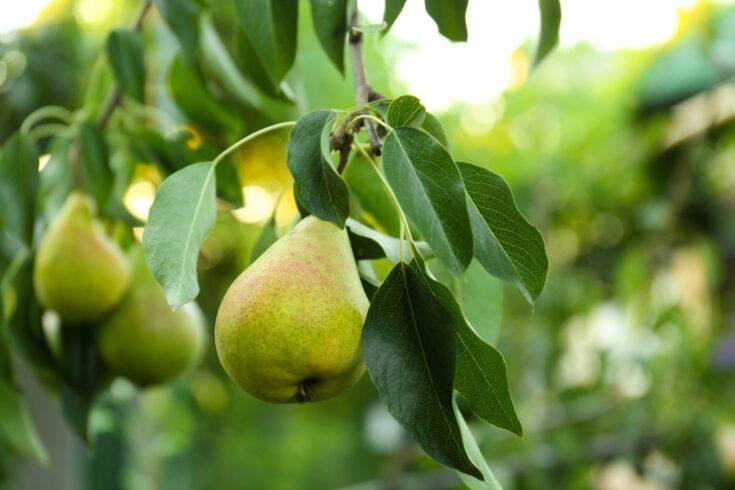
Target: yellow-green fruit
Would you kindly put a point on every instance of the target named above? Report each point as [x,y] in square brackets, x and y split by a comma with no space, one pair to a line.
[289,327]
[79,271]
[143,339]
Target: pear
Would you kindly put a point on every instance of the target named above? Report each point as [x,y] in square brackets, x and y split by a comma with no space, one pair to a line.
[143,339]
[79,271]
[288,329]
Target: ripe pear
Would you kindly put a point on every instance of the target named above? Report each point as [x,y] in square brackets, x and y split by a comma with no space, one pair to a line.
[289,327]
[79,271]
[143,339]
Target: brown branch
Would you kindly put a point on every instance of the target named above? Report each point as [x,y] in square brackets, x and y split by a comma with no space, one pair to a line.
[116,96]
[362,89]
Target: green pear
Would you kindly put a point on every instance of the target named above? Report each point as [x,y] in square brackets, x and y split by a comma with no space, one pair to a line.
[79,271]
[289,327]
[143,339]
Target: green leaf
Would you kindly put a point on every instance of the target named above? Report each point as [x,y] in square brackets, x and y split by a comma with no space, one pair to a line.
[227,73]
[18,186]
[449,17]
[271,26]
[125,53]
[429,187]
[268,236]
[409,343]
[507,245]
[407,111]
[182,17]
[180,218]
[194,99]
[94,162]
[550,22]
[481,375]
[481,297]
[16,425]
[330,25]
[371,27]
[432,126]
[375,245]
[56,179]
[376,203]
[392,11]
[473,451]
[319,189]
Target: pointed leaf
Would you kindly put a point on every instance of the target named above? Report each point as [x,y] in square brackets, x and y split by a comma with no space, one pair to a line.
[330,25]
[18,187]
[432,126]
[429,187]
[94,164]
[406,110]
[16,425]
[507,245]
[125,53]
[409,344]
[449,17]
[319,189]
[271,27]
[182,17]
[268,236]
[392,11]
[180,218]
[481,297]
[473,451]
[550,22]
[481,375]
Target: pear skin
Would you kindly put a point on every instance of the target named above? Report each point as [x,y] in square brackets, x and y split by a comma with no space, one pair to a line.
[289,327]
[143,339]
[79,271]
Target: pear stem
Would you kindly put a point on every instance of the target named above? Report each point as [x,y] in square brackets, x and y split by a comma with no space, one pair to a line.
[250,137]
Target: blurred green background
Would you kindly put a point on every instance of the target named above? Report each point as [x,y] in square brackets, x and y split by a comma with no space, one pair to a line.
[624,157]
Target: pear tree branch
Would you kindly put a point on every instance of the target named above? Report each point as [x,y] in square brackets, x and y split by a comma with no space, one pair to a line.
[362,89]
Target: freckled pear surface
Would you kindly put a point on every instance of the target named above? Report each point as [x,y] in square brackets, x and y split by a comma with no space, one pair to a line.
[79,271]
[143,339]
[289,327]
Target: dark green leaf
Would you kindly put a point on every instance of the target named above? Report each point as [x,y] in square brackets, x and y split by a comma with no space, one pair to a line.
[18,186]
[406,110]
[550,22]
[194,99]
[180,218]
[375,201]
[125,52]
[16,426]
[319,189]
[429,187]
[227,73]
[271,26]
[392,11]
[268,236]
[507,245]
[449,17]
[481,375]
[94,162]
[481,297]
[368,243]
[56,179]
[432,126]
[228,185]
[330,25]
[409,343]
[182,16]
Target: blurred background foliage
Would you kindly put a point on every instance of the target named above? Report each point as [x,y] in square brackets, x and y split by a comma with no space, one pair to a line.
[624,158]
